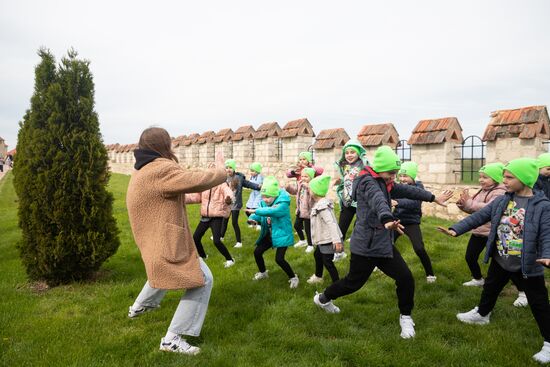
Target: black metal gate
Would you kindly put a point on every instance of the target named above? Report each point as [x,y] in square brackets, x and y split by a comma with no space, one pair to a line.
[472,158]
[403,150]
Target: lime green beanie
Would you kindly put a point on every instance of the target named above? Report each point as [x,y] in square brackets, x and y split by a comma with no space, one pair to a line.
[410,169]
[525,169]
[544,160]
[493,170]
[307,155]
[270,187]
[256,167]
[231,164]
[320,185]
[310,172]
[385,159]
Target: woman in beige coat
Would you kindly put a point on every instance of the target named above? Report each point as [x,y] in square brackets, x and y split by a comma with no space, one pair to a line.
[156,209]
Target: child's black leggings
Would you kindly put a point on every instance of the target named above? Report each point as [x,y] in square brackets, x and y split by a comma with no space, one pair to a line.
[415,235]
[216,225]
[235,223]
[301,224]
[346,217]
[265,245]
[535,290]
[476,245]
[326,260]
[360,269]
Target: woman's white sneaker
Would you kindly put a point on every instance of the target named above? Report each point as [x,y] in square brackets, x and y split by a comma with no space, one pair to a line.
[474,283]
[294,281]
[473,317]
[328,307]
[178,345]
[521,301]
[260,275]
[407,327]
[544,355]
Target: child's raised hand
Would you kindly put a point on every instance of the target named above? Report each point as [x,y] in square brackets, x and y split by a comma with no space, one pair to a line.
[395,225]
[443,197]
[448,232]
[545,262]
[337,246]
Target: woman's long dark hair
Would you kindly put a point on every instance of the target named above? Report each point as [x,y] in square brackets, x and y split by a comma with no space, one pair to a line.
[157,139]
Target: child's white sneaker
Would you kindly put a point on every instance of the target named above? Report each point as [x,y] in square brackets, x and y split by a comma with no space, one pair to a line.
[135,312]
[314,279]
[521,301]
[309,249]
[301,243]
[228,263]
[544,355]
[407,327]
[260,275]
[339,256]
[431,278]
[328,307]
[294,282]
[238,245]
[474,283]
[473,317]
[178,345]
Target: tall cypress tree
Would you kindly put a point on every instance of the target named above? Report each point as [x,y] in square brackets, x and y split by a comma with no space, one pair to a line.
[61,174]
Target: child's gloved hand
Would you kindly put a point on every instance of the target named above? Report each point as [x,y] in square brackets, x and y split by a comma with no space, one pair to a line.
[395,225]
[448,232]
[338,246]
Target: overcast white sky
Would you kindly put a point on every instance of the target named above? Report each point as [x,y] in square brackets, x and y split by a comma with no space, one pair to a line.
[192,66]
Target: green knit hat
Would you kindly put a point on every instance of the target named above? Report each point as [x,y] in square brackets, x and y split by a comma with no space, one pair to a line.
[320,185]
[544,160]
[310,172]
[493,170]
[410,169]
[525,169]
[270,187]
[230,163]
[307,155]
[385,159]
[256,167]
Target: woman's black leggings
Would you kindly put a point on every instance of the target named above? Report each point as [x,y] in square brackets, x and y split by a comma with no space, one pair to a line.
[216,225]
[265,245]
[235,223]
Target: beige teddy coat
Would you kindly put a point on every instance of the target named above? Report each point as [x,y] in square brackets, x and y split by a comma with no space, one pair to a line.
[156,209]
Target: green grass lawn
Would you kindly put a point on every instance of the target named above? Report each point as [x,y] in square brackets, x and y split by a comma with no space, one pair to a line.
[253,323]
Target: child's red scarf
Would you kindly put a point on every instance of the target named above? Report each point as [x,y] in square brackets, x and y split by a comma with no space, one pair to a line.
[367,169]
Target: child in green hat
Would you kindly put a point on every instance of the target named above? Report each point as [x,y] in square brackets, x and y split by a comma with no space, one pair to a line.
[352,161]
[326,234]
[517,248]
[305,159]
[543,182]
[304,202]
[255,196]
[372,238]
[409,213]
[273,215]
[237,180]
[490,180]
